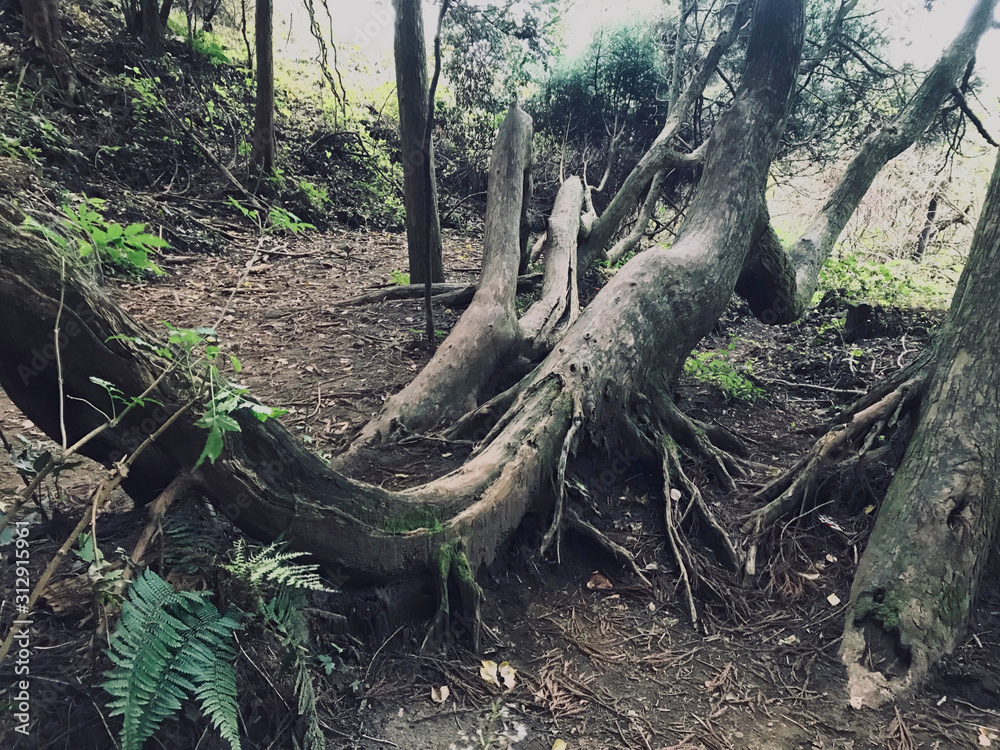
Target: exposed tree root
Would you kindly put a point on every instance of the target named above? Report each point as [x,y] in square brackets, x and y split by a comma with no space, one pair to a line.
[676,484]
[477,423]
[453,567]
[577,523]
[789,492]
[712,443]
[156,512]
[569,444]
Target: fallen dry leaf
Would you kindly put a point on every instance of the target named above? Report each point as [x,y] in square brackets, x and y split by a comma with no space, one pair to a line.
[599,581]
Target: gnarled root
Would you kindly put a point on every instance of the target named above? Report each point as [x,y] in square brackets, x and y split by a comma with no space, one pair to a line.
[714,444]
[454,567]
[577,523]
[677,485]
[865,423]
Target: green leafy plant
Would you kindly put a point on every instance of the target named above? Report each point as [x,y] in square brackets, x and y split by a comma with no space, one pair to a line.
[317,196]
[278,219]
[224,398]
[893,283]
[198,352]
[276,587]
[124,249]
[399,277]
[208,45]
[171,646]
[106,579]
[716,367]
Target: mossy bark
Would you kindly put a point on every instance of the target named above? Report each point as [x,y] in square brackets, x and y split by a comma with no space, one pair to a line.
[918,578]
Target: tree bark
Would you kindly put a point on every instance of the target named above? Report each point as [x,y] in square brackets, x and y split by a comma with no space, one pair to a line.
[42,26]
[264,144]
[152,29]
[917,579]
[779,285]
[559,305]
[487,335]
[928,231]
[423,226]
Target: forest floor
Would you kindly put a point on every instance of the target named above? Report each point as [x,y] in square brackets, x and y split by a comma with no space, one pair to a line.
[601,661]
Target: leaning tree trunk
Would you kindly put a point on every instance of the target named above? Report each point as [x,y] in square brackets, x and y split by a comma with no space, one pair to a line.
[917,580]
[608,377]
[779,285]
[262,154]
[423,226]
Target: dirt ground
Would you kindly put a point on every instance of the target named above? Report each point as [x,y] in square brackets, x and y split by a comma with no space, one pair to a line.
[601,660]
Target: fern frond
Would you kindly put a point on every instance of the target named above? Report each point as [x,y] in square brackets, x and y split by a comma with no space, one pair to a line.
[215,690]
[169,646]
[272,564]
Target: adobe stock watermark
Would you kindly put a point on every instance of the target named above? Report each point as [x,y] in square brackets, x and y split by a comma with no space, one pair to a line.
[379,20]
[20,690]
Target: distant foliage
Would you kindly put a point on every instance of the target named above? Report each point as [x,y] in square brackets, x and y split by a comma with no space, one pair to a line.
[613,81]
[894,283]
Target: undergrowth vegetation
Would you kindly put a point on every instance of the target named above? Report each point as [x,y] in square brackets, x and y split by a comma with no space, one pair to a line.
[172,647]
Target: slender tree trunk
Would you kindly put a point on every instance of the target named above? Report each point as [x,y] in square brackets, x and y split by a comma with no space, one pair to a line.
[917,580]
[928,232]
[487,335]
[152,29]
[423,227]
[263,127]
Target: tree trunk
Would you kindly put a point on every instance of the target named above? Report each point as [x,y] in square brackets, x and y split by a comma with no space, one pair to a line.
[43,28]
[917,580]
[928,232]
[487,335]
[779,285]
[423,227]
[263,126]
[152,29]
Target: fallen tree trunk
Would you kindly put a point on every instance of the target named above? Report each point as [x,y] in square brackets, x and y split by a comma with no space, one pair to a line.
[917,580]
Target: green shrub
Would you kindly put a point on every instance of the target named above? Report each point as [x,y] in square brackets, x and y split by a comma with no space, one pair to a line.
[895,283]
[717,368]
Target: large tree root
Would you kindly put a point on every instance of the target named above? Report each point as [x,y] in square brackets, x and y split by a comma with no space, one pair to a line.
[790,492]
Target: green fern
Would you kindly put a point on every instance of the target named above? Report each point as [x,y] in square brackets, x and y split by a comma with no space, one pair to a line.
[191,539]
[272,565]
[170,646]
[278,588]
